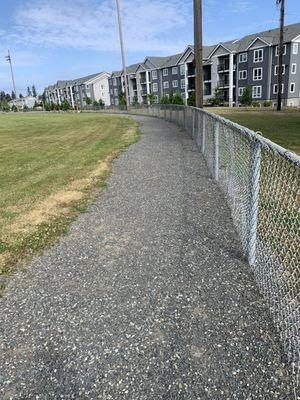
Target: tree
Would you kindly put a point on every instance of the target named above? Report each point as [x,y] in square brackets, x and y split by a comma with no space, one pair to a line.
[151,97]
[29,91]
[13,95]
[101,103]
[8,97]
[21,96]
[4,104]
[2,95]
[135,101]
[34,94]
[65,105]
[14,108]
[88,101]
[122,99]
[246,99]
[95,103]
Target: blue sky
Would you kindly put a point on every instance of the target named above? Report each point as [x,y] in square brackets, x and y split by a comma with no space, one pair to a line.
[64,39]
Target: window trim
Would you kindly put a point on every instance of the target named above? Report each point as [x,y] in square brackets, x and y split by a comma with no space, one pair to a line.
[182,84]
[240,74]
[174,69]
[294,86]
[259,77]
[255,58]
[294,71]
[255,96]
[176,83]
[241,91]
[166,85]
[295,46]
[277,50]
[276,69]
[154,74]
[240,57]
[276,86]
[182,69]
[155,87]
[165,72]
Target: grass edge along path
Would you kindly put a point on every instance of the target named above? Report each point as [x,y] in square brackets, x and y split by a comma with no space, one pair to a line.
[56,212]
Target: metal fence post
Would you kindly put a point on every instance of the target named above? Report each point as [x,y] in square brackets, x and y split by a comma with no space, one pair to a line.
[216,155]
[254,200]
[193,123]
[203,133]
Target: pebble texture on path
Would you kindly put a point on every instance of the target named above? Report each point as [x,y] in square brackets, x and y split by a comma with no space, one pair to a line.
[147,298]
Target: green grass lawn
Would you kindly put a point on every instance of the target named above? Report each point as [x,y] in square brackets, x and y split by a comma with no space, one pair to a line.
[49,165]
[282,128]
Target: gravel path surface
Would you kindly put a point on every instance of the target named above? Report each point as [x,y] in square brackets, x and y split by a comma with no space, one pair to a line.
[147,298]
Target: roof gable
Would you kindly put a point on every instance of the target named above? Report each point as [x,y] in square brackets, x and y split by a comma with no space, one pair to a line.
[258,42]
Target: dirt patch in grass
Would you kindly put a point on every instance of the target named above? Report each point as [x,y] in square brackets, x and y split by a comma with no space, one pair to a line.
[38,214]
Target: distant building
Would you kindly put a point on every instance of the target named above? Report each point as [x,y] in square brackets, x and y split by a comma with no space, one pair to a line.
[28,101]
[77,91]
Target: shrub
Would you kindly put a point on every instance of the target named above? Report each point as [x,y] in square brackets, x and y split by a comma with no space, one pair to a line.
[177,99]
[165,100]
[255,104]
[15,108]
[191,101]
[267,103]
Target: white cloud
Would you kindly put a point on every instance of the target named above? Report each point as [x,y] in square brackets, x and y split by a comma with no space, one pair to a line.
[92,24]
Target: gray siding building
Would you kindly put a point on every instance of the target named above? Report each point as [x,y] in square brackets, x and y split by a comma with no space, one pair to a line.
[229,66]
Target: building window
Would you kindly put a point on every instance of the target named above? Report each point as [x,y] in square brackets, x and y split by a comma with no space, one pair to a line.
[182,83]
[277,50]
[174,70]
[276,68]
[257,74]
[241,91]
[175,84]
[295,48]
[115,81]
[166,85]
[294,68]
[243,57]
[292,87]
[116,92]
[258,55]
[243,74]
[155,87]
[182,69]
[275,88]
[256,92]
[111,91]
[165,72]
[154,74]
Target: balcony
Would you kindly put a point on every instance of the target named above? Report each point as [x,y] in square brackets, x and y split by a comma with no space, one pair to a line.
[191,71]
[224,67]
[222,83]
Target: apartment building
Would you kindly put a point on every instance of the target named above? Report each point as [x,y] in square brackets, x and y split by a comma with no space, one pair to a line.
[230,66]
[76,91]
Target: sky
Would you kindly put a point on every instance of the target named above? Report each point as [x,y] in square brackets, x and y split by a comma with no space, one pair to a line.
[51,40]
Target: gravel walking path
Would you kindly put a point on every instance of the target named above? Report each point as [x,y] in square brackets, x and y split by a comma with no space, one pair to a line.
[147,298]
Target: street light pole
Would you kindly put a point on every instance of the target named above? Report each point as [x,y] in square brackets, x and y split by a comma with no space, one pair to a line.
[122,51]
[198,52]
[8,58]
[280,53]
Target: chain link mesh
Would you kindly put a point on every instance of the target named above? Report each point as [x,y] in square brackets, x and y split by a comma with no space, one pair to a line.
[261,183]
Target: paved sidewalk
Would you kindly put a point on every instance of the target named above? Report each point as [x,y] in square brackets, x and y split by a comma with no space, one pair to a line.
[147,298]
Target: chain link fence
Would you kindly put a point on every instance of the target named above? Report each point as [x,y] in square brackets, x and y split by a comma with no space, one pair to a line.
[261,183]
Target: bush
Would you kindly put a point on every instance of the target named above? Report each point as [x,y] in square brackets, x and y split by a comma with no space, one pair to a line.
[191,101]
[255,104]
[65,105]
[267,103]
[15,108]
[165,100]
[177,99]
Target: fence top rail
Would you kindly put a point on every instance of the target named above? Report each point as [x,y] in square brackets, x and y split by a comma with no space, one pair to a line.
[251,135]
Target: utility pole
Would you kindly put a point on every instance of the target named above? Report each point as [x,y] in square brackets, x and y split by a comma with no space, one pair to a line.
[123,52]
[280,53]
[8,58]
[198,52]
